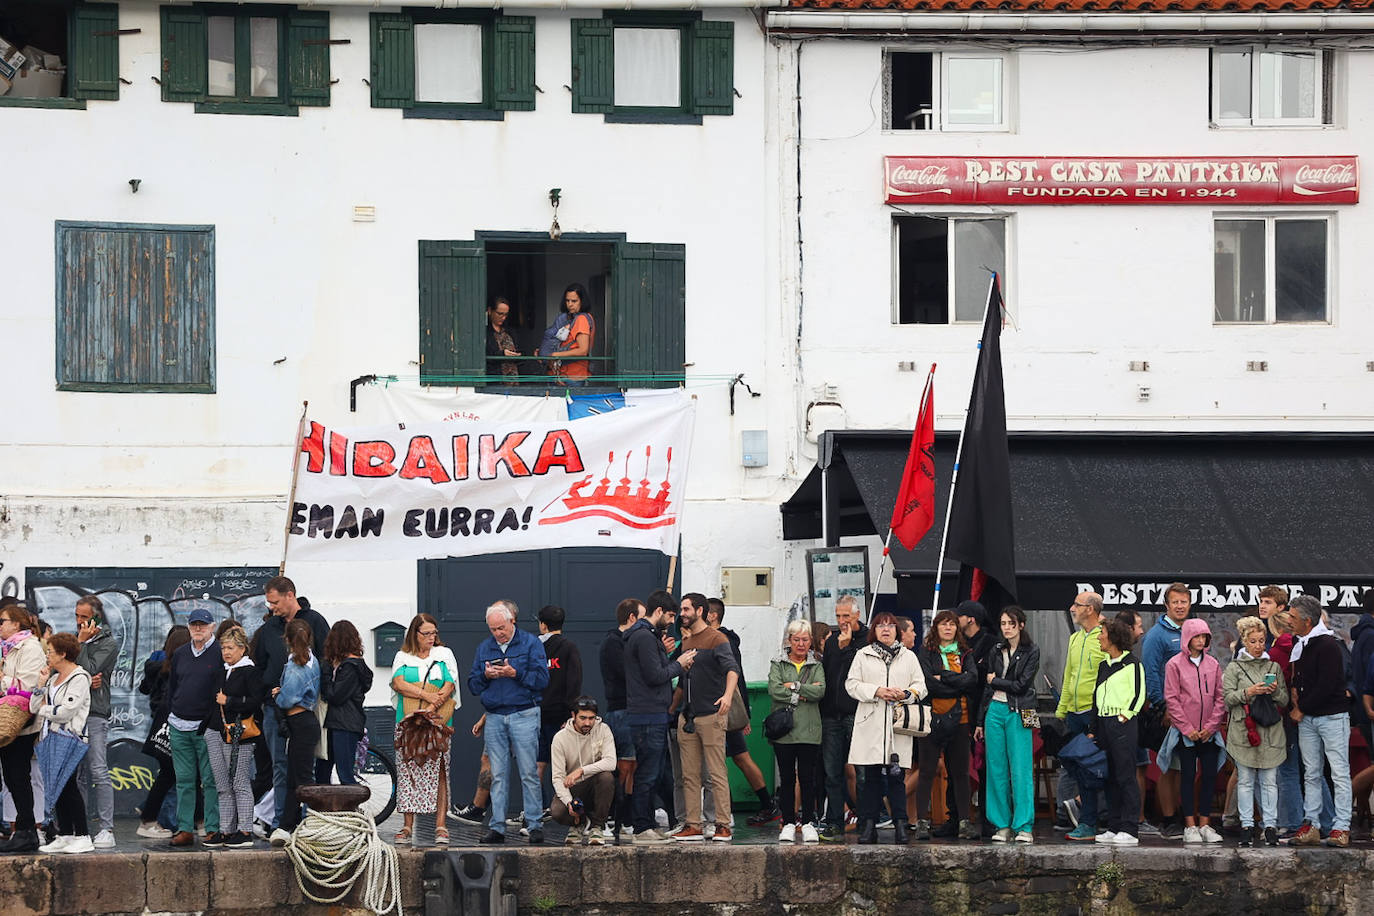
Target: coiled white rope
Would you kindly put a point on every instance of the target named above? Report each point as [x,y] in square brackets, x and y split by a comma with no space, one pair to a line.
[336,848]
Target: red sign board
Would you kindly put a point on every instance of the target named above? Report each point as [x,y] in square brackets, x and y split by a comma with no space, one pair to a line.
[1218,180]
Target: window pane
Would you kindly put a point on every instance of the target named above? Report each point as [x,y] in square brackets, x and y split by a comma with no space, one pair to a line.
[912,90]
[979,246]
[1300,270]
[263,31]
[922,270]
[1239,270]
[220,37]
[648,67]
[974,91]
[448,62]
[1233,85]
[1288,84]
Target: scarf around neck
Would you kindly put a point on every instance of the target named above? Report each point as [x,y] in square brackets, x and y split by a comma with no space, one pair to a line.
[947,651]
[887,653]
[13,641]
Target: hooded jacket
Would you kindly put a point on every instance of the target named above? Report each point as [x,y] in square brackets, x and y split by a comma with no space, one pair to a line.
[1159,645]
[592,753]
[565,679]
[98,656]
[270,652]
[1238,676]
[1084,657]
[806,714]
[345,688]
[648,675]
[1192,692]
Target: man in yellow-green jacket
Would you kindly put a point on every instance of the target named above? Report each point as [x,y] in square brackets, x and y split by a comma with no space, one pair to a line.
[1076,704]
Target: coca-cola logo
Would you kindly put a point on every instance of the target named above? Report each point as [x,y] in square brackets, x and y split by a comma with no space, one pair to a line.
[921,177]
[1339,173]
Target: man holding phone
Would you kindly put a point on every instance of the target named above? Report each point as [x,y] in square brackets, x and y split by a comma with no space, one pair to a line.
[99,653]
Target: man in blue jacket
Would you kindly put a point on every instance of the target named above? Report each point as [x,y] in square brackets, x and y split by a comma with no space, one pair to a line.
[509,672]
[1160,644]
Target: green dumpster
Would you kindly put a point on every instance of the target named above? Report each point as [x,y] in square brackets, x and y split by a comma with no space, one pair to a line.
[741,796]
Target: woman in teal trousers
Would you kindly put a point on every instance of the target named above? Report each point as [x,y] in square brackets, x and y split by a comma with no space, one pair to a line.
[1008,704]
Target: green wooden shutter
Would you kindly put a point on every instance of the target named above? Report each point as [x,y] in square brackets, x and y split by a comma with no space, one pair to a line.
[307,57]
[713,67]
[184,65]
[513,63]
[393,60]
[94,51]
[650,285]
[593,65]
[453,288]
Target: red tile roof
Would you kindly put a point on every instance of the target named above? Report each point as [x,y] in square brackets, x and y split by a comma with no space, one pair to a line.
[1089,6]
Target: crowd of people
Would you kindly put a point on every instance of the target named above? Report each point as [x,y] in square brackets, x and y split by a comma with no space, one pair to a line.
[864,722]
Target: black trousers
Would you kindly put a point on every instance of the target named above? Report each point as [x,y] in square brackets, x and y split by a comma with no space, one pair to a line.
[302,734]
[797,762]
[1191,760]
[70,810]
[14,760]
[956,752]
[879,780]
[1119,741]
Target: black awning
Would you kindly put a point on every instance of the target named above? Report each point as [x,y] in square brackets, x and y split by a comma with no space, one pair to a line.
[1147,507]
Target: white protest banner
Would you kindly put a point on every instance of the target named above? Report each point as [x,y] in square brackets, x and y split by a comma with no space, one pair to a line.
[382,402]
[439,489]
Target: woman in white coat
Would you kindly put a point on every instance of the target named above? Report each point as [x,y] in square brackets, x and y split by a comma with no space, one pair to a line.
[882,675]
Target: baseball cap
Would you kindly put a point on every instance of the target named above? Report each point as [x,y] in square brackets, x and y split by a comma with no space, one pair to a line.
[200,615]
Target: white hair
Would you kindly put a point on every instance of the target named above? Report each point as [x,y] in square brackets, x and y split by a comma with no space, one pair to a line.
[797,626]
[502,608]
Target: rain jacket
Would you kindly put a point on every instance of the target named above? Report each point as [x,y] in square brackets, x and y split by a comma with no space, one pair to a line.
[1193,692]
[1080,672]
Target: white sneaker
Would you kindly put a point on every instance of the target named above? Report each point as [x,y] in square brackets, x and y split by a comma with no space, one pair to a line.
[1106,839]
[1209,835]
[574,837]
[1025,836]
[103,840]
[77,845]
[661,817]
[260,830]
[1125,839]
[1192,835]
[1002,836]
[516,821]
[57,845]
[788,834]
[280,837]
[154,831]
[809,834]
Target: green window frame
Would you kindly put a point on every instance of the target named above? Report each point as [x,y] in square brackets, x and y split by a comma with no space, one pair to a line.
[92,59]
[507,64]
[302,59]
[707,67]
[135,307]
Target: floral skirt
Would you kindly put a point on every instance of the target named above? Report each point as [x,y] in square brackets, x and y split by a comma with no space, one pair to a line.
[417,784]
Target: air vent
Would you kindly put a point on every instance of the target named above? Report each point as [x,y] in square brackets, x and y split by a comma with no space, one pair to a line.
[364,214]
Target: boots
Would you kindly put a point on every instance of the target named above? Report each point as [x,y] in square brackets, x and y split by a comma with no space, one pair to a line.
[21,841]
[868,832]
[899,834]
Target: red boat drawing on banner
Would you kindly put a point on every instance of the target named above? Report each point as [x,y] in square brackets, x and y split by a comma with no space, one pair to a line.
[634,509]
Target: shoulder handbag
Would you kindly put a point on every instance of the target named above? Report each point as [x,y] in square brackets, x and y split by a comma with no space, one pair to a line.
[739,716]
[778,724]
[414,704]
[1262,709]
[912,719]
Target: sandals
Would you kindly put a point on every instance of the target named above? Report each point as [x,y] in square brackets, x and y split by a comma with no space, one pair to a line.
[441,836]
[402,837]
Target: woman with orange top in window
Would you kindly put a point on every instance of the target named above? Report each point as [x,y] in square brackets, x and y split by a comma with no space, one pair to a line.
[581,332]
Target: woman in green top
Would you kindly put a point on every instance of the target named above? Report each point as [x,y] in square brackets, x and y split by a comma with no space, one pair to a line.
[796,679]
[424,670]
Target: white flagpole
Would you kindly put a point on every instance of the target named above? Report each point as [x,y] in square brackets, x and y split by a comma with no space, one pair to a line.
[954,476]
[887,543]
[291,494]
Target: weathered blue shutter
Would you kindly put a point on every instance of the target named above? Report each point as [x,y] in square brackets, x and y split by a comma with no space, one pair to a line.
[513,63]
[136,308]
[713,67]
[94,51]
[393,60]
[307,57]
[453,288]
[184,56]
[593,65]
[650,284]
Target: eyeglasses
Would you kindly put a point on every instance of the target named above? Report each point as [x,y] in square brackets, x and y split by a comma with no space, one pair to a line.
[429,632]
[1081,604]
[585,704]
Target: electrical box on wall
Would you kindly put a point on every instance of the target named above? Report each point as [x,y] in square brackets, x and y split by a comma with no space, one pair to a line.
[747,585]
[754,448]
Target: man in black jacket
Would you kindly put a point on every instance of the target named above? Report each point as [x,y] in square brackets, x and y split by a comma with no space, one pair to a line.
[269,654]
[973,622]
[565,685]
[837,716]
[627,612]
[649,692]
[196,668]
[1321,707]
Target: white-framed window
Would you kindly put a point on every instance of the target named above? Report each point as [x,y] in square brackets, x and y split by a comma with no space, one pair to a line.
[1267,87]
[941,264]
[1272,268]
[947,90]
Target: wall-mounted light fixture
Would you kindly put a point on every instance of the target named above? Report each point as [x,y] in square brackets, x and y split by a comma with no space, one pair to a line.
[555,231]
[133,185]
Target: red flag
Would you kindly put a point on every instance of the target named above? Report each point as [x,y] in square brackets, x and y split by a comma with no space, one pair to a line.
[914,512]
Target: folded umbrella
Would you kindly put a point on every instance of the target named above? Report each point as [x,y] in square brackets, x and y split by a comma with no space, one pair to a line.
[59,753]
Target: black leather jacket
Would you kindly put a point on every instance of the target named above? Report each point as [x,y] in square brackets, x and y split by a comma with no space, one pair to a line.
[1017,681]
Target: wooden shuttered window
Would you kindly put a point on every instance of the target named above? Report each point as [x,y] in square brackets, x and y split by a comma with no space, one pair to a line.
[650,293]
[507,65]
[512,63]
[393,60]
[453,288]
[593,65]
[708,64]
[135,307]
[304,46]
[713,68]
[93,51]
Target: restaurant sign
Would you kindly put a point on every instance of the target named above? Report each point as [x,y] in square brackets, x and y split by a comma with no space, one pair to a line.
[1218,180]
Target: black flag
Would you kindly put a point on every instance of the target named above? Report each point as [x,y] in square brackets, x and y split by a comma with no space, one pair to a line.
[980,516]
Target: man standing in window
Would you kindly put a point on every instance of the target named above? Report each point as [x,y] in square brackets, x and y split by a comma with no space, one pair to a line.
[99,652]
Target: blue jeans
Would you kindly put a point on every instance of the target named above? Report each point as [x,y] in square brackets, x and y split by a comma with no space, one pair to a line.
[1246,777]
[516,732]
[1290,788]
[343,747]
[1329,737]
[1077,723]
[651,746]
[836,732]
[274,728]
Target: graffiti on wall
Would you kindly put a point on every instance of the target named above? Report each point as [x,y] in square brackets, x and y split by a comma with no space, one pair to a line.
[141,606]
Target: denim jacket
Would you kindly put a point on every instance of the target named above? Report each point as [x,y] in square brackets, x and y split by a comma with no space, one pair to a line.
[300,684]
